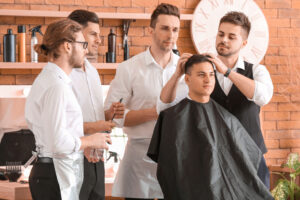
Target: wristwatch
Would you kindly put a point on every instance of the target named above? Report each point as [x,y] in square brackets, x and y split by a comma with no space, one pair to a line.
[227,72]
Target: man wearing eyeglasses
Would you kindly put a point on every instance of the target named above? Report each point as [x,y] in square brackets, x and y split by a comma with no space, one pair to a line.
[55,118]
[88,91]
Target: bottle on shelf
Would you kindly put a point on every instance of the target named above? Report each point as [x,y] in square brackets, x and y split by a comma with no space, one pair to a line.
[9,47]
[111,54]
[22,43]
[33,42]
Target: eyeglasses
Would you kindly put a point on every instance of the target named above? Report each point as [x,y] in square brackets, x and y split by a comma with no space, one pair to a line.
[84,44]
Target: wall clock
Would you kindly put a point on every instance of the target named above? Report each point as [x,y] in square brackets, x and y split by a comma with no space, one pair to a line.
[205,25]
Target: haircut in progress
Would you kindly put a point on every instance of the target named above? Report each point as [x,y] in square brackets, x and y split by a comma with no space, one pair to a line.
[237,18]
[195,59]
[56,34]
[83,17]
[163,9]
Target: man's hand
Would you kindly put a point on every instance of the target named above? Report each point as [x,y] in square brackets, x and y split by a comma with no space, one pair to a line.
[95,141]
[89,154]
[104,125]
[220,66]
[116,109]
[181,63]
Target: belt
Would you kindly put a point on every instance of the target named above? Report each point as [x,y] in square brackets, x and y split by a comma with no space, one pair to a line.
[44,160]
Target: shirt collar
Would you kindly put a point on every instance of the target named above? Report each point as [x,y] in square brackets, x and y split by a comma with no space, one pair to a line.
[150,60]
[87,64]
[239,64]
[59,72]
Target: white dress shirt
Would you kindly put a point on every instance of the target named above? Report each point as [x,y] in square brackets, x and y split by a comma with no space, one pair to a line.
[54,116]
[263,86]
[87,88]
[138,81]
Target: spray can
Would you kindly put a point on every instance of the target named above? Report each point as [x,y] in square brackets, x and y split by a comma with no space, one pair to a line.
[111,54]
[22,43]
[34,41]
[9,47]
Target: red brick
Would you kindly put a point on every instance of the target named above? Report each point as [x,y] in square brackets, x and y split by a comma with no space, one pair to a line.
[260,3]
[191,50]
[89,2]
[278,134]
[288,89]
[101,9]
[141,41]
[36,71]
[107,71]
[272,51]
[16,71]
[295,115]
[288,106]
[279,42]
[279,22]
[7,1]
[112,22]
[271,162]
[283,60]
[186,11]
[185,42]
[184,32]
[117,3]
[7,20]
[7,80]
[289,32]
[71,8]
[191,3]
[25,79]
[288,13]
[278,3]
[131,10]
[295,4]
[289,143]
[273,32]
[64,2]
[178,3]
[296,150]
[287,51]
[44,7]
[15,6]
[144,4]
[288,124]
[107,79]
[272,144]
[277,79]
[295,98]
[277,116]
[284,69]
[142,22]
[136,50]
[269,125]
[30,20]
[295,23]
[136,31]
[49,20]
[277,153]
[280,98]
[270,13]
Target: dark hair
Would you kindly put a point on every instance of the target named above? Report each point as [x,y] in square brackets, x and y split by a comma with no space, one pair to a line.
[237,18]
[57,33]
[195,59]
[83,17]
[163,9]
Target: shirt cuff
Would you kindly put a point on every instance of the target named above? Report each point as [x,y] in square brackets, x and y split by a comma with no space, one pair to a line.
[77,144]
[160,106]
[120,122]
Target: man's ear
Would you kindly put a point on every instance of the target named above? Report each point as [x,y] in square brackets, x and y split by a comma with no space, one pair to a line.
[245,42]
[67,46]
[187,78]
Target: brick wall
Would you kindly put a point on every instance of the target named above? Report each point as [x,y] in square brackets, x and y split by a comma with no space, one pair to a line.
[281,117]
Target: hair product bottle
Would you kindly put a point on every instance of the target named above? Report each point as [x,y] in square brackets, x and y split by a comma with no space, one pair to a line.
[9,47]
[111,54]
[22,43]
[33,42]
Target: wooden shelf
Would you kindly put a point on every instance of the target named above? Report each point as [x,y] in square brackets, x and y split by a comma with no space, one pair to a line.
[102,15]
[27,65]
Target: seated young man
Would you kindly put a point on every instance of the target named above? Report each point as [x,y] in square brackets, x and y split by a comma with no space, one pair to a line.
[203,151]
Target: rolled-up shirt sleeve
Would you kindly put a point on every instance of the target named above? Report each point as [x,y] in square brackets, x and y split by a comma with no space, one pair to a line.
[54,122]
[120,87]
[181,92]
[263,85]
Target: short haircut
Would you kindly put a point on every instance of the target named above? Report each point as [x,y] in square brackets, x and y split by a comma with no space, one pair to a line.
[163,9]
[83,17]
[195,59]
[237,18]
[56,34]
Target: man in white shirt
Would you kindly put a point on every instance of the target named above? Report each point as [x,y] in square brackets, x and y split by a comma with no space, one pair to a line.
[87,88]
[139,81]
[241,87]
[54,116]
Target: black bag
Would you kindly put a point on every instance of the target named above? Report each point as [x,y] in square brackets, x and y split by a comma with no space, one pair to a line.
[16,146]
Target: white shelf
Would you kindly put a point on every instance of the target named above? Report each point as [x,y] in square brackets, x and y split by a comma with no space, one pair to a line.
[102,15]
[27,65]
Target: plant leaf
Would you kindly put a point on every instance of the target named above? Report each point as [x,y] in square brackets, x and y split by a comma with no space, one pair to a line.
[281,191]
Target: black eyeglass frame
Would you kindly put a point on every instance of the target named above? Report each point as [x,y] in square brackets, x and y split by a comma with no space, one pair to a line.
[84,44]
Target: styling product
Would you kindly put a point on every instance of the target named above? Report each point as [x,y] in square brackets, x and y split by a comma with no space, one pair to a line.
[175,50]
[9,47]
[22,43]
[34,41]
[111,54]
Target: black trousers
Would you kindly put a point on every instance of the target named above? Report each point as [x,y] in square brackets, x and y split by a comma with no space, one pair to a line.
[43,182]
[93,187]
[263,173]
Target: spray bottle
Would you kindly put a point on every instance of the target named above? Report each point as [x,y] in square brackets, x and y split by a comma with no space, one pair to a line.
[34,41]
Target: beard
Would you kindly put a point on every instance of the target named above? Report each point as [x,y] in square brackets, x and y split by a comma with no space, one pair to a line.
[74,61]
[228,53]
